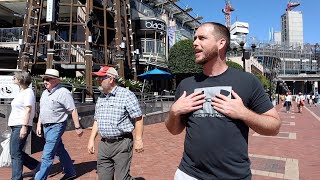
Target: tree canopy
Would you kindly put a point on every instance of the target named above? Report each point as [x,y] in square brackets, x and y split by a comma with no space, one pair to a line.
[234,65]
[264,81]
[181,58]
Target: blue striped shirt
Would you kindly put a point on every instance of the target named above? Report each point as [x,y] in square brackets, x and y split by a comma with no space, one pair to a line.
[115,112]
[56,105]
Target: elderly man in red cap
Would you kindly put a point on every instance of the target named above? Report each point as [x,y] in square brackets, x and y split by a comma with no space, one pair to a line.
[55,104]
[117,114]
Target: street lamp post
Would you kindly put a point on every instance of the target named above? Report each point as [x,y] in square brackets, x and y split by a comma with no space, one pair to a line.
[243,59]
[305,87]
[136,55]
[253,47]
[279,87]
[316,57]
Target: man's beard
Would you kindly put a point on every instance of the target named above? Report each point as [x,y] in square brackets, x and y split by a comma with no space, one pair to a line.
[209,55]
[104,87]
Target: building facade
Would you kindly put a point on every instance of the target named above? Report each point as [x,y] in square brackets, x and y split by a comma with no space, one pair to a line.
[292,29]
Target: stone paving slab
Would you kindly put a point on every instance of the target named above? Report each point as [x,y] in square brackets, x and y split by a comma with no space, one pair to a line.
[163,152]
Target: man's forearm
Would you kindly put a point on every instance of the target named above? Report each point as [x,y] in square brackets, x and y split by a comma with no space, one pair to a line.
[39,121]
[94,131]
[174,123]
[139,128]
[265,124]
[75,118]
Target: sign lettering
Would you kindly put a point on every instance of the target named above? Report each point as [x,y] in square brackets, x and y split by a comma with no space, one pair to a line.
[153,25]
[50,11]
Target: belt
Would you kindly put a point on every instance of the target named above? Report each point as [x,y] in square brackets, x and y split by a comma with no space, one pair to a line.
[49,124]
[117,138]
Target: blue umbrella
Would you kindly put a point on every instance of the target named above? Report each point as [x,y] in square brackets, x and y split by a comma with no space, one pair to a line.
[156,74]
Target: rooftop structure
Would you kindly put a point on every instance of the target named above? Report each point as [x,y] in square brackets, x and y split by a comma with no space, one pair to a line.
[238,33]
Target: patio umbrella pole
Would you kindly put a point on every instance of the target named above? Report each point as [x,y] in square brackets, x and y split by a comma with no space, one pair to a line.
[144,81]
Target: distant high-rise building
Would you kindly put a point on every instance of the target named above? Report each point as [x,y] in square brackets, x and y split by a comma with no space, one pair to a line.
[292,29]
[277,37]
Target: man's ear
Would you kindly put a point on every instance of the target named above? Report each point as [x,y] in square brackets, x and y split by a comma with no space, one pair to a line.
[222,43]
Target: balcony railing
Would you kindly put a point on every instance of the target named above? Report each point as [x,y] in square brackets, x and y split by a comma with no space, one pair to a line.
[142,8]
[10,34]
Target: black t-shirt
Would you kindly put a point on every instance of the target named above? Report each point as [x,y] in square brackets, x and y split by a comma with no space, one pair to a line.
[216,147]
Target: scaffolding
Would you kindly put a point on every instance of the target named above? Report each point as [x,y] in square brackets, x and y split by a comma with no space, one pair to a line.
[75,35]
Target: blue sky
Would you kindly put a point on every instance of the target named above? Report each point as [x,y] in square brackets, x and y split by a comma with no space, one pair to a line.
[260,14]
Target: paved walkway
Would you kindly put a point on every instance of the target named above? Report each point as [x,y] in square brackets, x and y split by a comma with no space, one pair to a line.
[293,154]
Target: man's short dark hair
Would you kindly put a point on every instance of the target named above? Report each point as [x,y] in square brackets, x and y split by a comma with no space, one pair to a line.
[220,31]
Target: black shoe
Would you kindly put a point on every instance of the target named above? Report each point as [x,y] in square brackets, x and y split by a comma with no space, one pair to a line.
[31,173]
[28,174]
[67,177]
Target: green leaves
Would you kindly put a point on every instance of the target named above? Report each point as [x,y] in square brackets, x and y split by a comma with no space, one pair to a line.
[264,81]
[75,80]
[133,85]
[182,59]
[234,65]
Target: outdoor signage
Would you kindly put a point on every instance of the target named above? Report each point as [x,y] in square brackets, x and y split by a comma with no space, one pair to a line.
[7,88]
[50,11]
[152,25]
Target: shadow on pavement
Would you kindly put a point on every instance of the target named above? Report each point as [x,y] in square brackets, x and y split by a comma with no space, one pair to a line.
[139,178]
[81,168]
[85,167]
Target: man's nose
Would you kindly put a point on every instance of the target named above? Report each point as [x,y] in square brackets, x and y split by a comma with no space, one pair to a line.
[195,42]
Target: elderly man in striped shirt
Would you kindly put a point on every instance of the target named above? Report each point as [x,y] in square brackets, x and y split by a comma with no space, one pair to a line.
[117,114]
[56,104]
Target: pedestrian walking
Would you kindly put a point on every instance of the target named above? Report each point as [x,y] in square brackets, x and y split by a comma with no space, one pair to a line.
[288,101]
[117,114]
[20,122]
[314,100]
[56,103]
[216,141]
[309,100]
[300,102]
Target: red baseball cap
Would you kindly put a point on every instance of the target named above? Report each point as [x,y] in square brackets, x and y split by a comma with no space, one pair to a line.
[106,70]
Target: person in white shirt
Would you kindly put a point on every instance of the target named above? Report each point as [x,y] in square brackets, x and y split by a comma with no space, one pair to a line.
[300,102]
[288,100]
[309,99]
[20,122]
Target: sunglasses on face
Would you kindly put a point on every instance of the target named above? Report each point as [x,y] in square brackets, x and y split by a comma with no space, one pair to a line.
[102,78]
[47,79]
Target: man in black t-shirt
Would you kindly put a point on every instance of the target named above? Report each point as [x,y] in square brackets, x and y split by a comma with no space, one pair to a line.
[217,108]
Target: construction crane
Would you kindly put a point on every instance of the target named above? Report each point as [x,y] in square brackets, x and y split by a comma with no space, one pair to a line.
[227,12]
[292,5]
